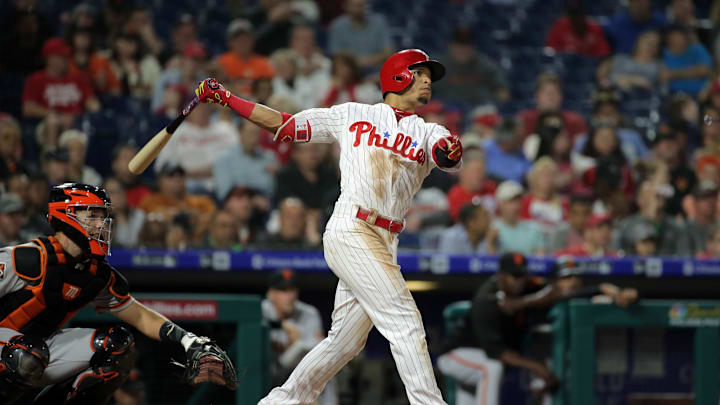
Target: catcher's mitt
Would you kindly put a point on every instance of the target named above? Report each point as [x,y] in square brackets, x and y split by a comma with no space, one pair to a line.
[207,362]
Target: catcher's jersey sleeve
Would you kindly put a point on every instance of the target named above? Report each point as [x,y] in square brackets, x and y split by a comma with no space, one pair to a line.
[325,123]
[115,296]
[9,280]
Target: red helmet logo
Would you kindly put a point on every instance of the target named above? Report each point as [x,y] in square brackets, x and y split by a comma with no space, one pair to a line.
[395,74]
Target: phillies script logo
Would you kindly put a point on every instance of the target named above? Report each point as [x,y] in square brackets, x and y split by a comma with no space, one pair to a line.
[403,145]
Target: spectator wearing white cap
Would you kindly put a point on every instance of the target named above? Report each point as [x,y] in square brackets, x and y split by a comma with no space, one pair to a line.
[76,143]
[513,233]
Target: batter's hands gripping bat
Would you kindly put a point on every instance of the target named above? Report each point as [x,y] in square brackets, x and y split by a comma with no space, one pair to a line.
[149,152]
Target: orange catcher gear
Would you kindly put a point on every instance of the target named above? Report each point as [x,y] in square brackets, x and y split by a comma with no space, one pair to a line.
[91,231]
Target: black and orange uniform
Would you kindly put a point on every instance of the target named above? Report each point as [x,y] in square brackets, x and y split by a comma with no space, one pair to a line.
[42,287]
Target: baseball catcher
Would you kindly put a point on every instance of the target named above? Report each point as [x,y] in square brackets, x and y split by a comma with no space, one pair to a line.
[45,282]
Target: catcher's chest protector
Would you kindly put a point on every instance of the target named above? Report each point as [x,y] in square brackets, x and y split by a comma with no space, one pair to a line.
[56,289]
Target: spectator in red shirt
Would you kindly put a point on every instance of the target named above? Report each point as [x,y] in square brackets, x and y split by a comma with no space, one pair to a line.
[55,94]
[544,203]
[576,33]
[549,98]
[472,186]
[598,237]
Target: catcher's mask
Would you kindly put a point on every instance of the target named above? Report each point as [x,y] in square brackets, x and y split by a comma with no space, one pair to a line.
[82,213]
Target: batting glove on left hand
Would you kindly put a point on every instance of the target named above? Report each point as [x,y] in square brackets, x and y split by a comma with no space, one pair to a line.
[210,91]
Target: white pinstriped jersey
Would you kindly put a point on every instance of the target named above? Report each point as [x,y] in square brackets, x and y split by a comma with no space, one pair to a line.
[383,160]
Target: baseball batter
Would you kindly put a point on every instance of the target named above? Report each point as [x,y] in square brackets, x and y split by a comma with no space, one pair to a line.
[386,152]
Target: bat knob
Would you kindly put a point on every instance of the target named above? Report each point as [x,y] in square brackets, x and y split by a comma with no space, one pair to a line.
[213,84]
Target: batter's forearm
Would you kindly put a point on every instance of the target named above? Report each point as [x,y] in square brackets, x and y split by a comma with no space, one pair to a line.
[266,118]
[210,91]
[259,114]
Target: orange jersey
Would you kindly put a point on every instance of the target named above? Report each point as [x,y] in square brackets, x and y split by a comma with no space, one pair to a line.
[245,70]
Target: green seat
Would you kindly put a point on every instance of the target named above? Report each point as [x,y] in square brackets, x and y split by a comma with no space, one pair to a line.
[453,315]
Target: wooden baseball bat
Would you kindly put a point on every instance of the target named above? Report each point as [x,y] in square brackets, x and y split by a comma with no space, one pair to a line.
[149,152]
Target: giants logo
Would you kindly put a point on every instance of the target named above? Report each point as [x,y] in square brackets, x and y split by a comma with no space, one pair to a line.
[70,292]
[403,145]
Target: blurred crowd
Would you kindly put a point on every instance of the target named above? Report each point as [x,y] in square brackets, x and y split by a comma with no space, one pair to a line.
[541,180]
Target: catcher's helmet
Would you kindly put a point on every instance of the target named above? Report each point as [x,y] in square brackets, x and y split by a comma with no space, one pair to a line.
[90,232]
[395,75]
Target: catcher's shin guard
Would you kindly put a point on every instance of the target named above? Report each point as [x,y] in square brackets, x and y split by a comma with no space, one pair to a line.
[109,368]
[22,363]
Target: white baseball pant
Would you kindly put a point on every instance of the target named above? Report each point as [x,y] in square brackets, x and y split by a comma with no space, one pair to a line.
[371,291]
[471,366]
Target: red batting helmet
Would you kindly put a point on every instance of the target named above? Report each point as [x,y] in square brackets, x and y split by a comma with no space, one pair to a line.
[395,75]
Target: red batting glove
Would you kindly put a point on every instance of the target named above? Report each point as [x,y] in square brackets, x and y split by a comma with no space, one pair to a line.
[210,91]
[452,146]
